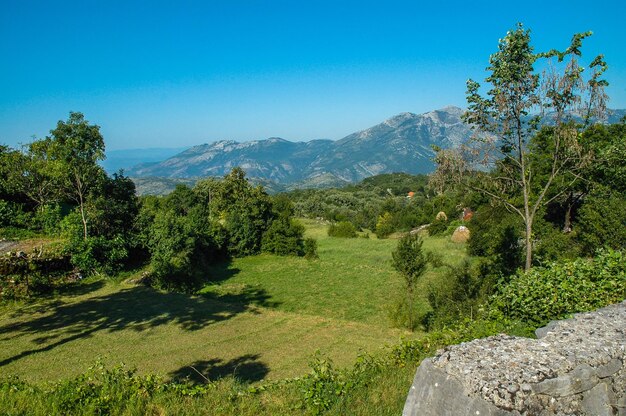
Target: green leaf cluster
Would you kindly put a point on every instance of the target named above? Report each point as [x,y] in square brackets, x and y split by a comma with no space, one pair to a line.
[561,288]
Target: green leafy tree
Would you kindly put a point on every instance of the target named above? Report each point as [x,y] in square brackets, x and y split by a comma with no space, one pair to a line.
[245,211]
[111,210]
[182,239]
[77,146]
[285,235]
[608,145]
[410,261]
[39,177]
[113,207]
[511,113]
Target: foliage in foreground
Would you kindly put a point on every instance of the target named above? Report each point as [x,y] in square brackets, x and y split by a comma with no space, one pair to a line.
[562,288]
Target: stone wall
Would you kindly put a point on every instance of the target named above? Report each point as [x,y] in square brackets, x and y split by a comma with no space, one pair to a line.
[574,367]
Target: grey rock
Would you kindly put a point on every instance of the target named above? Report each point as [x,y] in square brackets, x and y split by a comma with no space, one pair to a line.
[621,406]
[609,368]
[436,393]
[575,367]
[597,401]
[543,331]
[581,379]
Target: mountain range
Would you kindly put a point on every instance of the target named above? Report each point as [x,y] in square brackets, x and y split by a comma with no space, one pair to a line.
[399,144]
[402,143]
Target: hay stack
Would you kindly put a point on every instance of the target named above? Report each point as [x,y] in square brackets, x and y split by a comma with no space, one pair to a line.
[461,234]
[441,216]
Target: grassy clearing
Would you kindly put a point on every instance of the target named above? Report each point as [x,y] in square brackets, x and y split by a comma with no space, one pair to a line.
[352,280]
[167,333]
[261,319]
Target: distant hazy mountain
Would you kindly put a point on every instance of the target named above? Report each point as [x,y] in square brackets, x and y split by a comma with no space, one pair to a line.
[126,159]
[615,116]
[152,185]
[399,144]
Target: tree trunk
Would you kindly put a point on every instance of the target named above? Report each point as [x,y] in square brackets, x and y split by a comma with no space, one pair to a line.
[529,245]
[567,222]
[567,226]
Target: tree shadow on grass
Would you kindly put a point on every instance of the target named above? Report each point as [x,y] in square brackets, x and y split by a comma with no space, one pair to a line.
[44,303]
[246,368]
[80,288]
[137,308]
[253,295]
[221,271]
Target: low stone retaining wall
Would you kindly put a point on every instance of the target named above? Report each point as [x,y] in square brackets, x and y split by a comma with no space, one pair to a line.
[574,367]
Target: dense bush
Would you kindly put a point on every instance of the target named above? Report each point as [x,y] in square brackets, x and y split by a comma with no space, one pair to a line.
[495,234]
[284,237]
[181,246]
[310,248]
[385,225]
[437,227]
[602,221]
[5,213]
[98,254]
[245,233]
[553,245]
[12,215]
[48,219]
[343,229]
[553,292]
[459,295]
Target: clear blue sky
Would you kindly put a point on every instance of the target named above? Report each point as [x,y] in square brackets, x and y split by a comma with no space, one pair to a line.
[178,73]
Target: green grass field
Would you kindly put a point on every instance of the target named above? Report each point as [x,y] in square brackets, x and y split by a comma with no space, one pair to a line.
[261,318]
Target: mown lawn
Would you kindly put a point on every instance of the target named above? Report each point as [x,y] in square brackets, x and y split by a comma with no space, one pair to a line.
[262,317]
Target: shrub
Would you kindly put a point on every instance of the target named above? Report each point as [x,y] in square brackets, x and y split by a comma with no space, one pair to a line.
[494,233]
[177,248]
[452,226]
[48,219]
[602,222]
[385,225]
[343,229]
[12,215]
[437,227]
[284,237]
[98,254]
[310,249]
[553,245]
[562,288]
[6,213]
[410,261]
[456,296]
